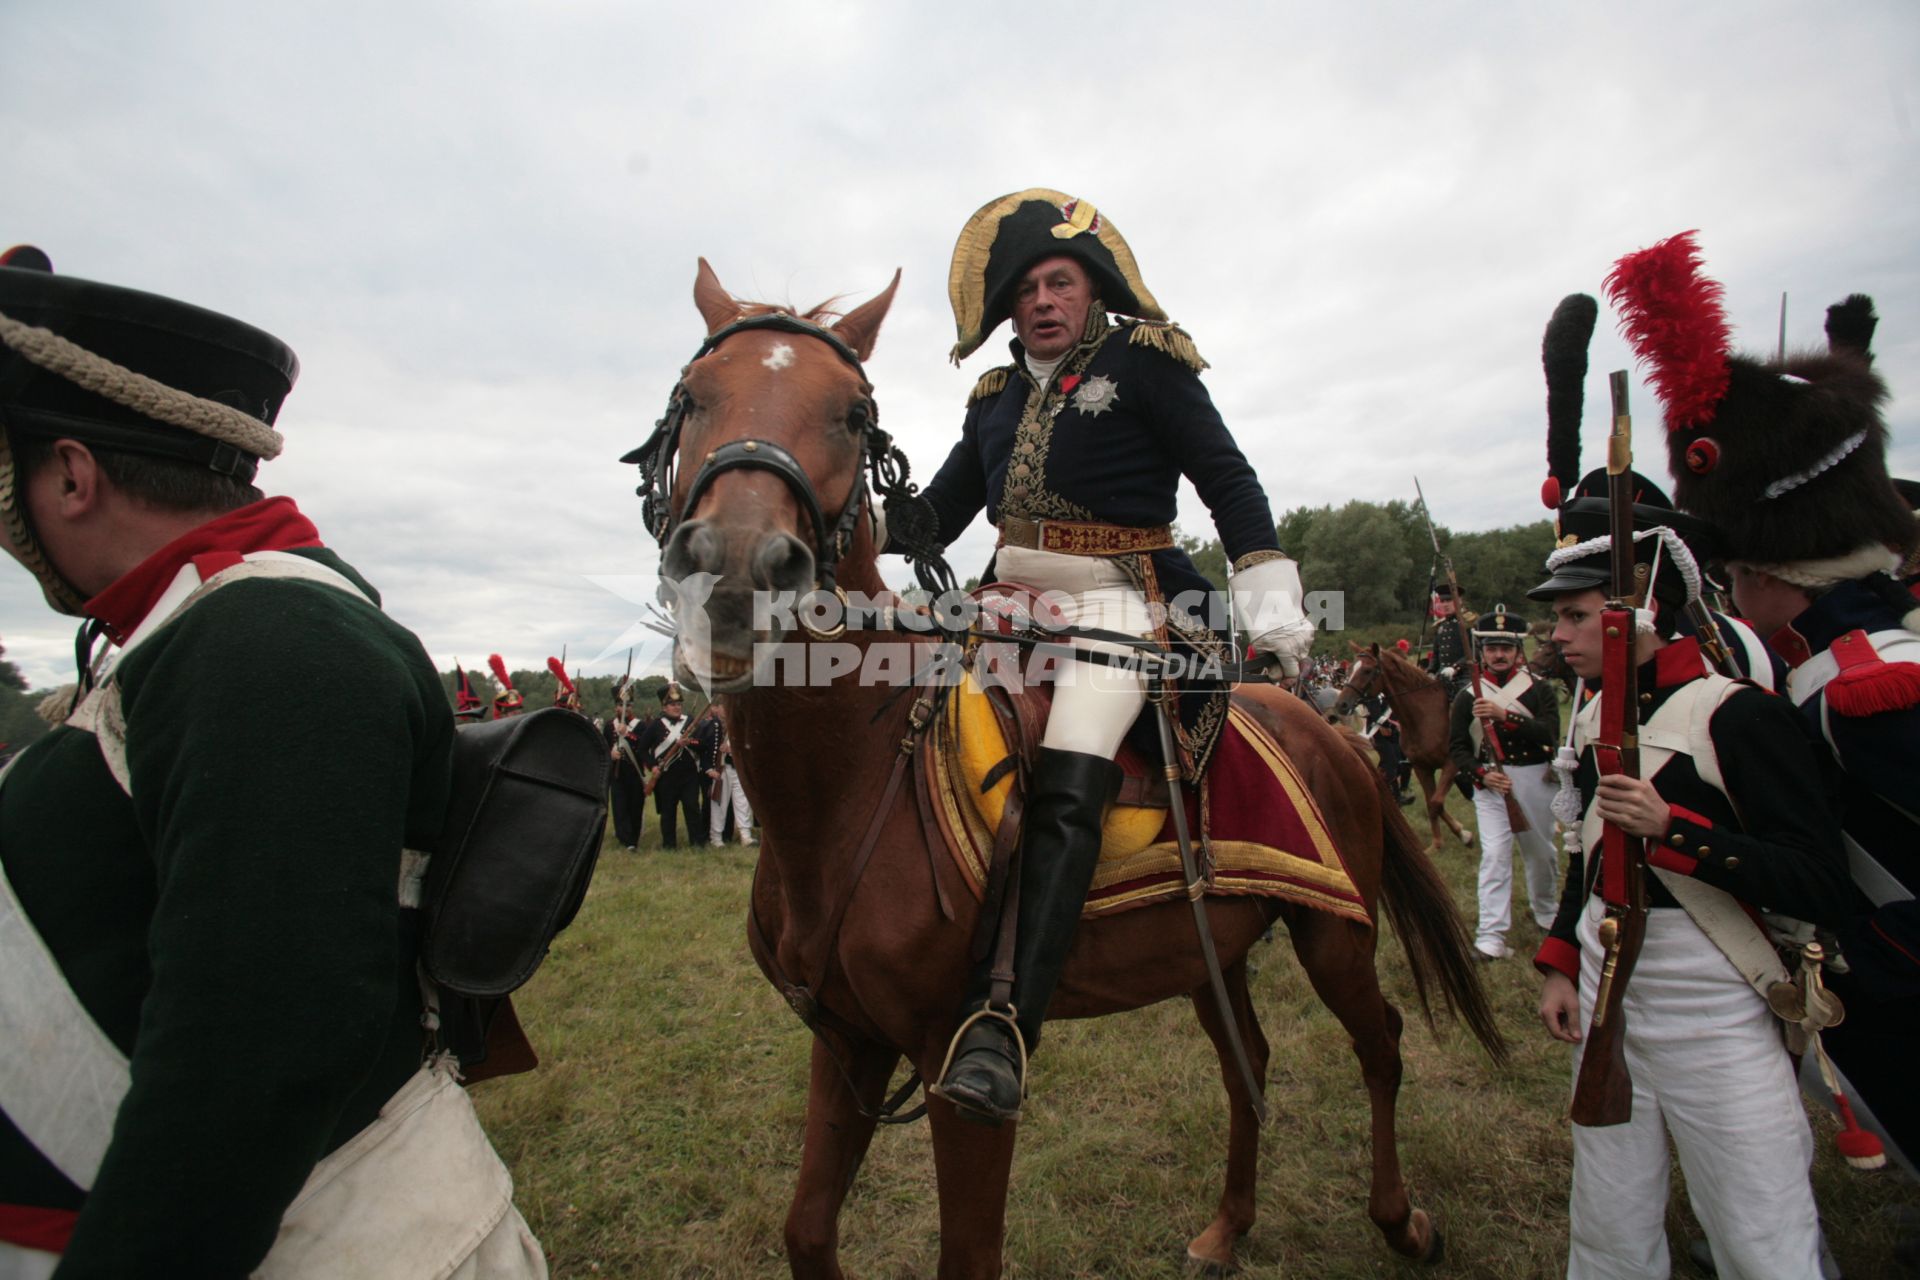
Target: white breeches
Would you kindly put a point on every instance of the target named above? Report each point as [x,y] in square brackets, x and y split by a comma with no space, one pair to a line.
[730,793]
[1093,704]
[1533,787]
[1709,1070]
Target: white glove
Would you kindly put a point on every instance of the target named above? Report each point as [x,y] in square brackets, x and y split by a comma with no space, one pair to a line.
[1446,673]
[1266,605]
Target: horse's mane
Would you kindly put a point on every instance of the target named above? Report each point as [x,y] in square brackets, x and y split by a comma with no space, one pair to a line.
[821,315]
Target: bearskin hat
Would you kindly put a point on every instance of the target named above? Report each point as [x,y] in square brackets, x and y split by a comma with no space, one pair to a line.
[1785,457]
[1008,235]
[1582,508]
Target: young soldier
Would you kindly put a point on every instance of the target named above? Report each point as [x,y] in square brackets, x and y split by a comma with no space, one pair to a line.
[208,876]
[1505,705]
[1704,1050]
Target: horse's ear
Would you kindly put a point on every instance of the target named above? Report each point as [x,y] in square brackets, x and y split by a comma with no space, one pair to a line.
[860,326]
[1355,646]
[1374,649]
[717,306]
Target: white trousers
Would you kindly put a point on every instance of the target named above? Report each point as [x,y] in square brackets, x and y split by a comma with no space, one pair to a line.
[17,1263]
[730,793]
[1533,787]
[1709,1070]
[1093,704]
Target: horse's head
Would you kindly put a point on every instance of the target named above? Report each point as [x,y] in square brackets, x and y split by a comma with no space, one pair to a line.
[1363,678]
[756,481]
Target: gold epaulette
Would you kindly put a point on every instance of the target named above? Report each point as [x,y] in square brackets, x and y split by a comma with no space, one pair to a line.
[1168,339]
[991,383]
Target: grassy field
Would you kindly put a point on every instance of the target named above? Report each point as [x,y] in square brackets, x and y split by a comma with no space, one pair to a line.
[661,1136]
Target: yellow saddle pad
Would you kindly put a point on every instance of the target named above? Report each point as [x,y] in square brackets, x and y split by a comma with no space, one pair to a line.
[1266,835]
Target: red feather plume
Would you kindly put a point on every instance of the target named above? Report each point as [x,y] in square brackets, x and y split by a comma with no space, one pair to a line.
[499,665]
[1673,318]
[560,674]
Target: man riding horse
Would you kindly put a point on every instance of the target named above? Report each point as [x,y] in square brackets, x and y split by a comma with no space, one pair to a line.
[1075,449]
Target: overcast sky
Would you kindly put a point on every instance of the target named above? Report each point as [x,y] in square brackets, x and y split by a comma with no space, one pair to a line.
[477,223]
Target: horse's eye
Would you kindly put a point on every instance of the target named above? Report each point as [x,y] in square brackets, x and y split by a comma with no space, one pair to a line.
[860,417]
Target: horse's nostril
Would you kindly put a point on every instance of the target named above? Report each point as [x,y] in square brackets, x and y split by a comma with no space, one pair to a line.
[694,548]
[783,563]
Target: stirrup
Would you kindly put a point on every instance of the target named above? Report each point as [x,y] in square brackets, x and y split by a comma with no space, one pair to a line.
[983,1014]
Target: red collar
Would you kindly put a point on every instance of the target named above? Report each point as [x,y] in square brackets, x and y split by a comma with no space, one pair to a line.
[273,524]
[1499,678]
[1678,662]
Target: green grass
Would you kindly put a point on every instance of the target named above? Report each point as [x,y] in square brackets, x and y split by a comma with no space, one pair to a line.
[661,1135]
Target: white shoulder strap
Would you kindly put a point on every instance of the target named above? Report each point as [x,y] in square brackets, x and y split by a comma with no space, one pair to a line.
[99,712]
[61,1078]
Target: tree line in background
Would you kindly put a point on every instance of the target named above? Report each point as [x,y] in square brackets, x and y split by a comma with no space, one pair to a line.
[20,721]
[1380,555]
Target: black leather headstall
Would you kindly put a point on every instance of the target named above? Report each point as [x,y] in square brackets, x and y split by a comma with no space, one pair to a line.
[658,458]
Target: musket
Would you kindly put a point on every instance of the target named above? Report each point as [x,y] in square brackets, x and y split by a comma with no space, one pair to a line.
[1445,561]
[673,752]
[1516,816]
[1603,1092]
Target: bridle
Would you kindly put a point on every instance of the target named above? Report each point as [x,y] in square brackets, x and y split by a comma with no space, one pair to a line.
[883,468]
[1360,693]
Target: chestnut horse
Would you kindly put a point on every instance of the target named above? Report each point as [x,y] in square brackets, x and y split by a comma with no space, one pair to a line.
[876,926]
[1420,704]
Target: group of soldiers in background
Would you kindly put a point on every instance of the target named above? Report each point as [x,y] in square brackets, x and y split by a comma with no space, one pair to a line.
[686,766]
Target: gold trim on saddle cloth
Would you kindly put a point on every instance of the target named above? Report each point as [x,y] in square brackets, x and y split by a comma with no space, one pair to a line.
[1082,538]
[1134,871]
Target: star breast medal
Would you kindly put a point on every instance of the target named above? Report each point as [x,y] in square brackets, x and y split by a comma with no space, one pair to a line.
[1096,395]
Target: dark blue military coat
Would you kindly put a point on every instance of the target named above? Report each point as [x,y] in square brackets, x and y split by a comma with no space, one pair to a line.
[1123,418]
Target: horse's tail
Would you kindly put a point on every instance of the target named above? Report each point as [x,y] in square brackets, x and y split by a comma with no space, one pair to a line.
[1421,909]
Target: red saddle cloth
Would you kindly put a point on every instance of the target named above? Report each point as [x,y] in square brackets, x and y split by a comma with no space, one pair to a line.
[1264,835]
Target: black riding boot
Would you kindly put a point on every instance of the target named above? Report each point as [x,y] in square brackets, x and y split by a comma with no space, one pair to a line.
[1059,845]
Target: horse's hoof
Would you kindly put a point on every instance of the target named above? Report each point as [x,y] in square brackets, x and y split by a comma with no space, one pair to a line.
[1436,1248]
[1209,1267]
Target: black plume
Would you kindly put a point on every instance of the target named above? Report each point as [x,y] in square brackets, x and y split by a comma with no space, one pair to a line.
[1563,354]
[1850,326]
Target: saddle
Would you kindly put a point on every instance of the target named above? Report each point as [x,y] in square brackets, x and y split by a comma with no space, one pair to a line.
[1256,828]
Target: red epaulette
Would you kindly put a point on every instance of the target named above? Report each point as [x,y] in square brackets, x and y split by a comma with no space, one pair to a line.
[1867,684]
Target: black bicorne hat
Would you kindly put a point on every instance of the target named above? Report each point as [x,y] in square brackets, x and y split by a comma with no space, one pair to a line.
[1008,235]
[188,349]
